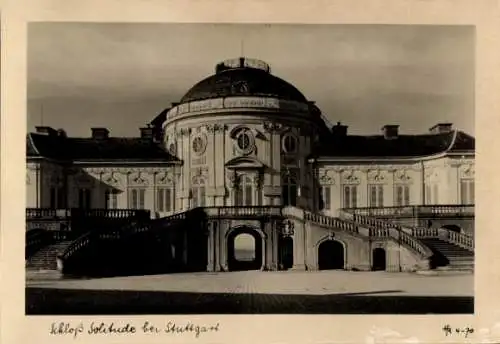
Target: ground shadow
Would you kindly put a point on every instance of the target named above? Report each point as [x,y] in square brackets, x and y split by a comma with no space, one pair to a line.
[51,301]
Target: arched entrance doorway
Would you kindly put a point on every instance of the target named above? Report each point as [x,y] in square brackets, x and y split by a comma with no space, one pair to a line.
[244,250]
[286,252]
[331,255]
[379,259]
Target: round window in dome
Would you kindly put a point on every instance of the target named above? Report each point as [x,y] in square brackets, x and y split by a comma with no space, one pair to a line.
[290,144]
[244,141]
[199,145]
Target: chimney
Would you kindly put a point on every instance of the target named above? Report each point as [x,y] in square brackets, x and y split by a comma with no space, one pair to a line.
[147,133]
[100,133]
[441,128]
[390,131]
[46,130]
[339,130]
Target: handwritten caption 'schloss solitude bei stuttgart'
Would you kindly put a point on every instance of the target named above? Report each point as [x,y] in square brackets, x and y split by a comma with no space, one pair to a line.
[101,328]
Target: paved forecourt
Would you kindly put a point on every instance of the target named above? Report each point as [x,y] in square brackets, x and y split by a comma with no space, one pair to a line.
[297,283]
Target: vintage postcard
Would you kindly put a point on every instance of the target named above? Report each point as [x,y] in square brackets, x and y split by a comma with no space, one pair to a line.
[250,172]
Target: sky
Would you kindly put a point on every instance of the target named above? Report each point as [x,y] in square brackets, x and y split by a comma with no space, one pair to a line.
[120,76]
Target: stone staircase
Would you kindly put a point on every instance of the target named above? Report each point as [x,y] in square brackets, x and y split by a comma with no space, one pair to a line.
[449,255]
[46,258]
[451,250]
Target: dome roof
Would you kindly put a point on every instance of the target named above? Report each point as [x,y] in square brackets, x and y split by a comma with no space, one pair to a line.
[243,77]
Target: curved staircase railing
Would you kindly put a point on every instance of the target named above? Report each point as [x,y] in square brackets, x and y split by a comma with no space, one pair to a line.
[374,228]
[460,239]
[134,227]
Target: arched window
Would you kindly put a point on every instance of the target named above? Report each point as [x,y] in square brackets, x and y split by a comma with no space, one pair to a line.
[289,191]
[244,191]
[198,192]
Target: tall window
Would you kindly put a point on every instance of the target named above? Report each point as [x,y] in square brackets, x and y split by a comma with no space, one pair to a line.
[435,194]
[57,197]
[324,201]
[467,191]
[198,192]
[376,193]
[165,201]
[244,192]
[428,194]
[84,198]
[111,199]
[350,196]
[137,198]
[402,197]
[289,191]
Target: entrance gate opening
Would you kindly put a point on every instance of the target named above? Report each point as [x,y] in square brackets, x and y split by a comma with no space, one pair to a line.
[331,255]
[379,259]
[244,249]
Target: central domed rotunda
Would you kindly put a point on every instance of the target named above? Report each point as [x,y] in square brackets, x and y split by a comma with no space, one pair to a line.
[243,77]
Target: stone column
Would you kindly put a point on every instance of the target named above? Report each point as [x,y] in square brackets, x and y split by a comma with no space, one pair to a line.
[216,244]
[222,245]
[210,246]
[298,246]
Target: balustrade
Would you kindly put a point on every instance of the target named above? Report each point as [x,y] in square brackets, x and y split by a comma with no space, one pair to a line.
[414,211]
[46,213]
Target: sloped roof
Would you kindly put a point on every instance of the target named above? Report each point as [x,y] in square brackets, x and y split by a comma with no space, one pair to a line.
[90,149]
[402,146]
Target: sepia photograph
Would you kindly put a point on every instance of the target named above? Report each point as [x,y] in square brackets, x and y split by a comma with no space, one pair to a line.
[204,168]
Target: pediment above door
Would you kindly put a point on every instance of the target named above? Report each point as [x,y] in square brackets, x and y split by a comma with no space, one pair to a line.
[245,163]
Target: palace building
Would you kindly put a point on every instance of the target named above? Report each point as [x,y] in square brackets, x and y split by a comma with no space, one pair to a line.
[245,152]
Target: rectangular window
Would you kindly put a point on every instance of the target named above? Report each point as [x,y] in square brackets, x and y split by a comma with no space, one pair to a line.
[467,191]
[202,196]
[324,201]
[436,194]
[161,200]
[111,199]
[165,200]
[61,197]
[376,196]
[248,195]
[84,197]
[402,195]
[350,196]
[198,196]
[137,198]
[168,200]
[53,198]
[428,194]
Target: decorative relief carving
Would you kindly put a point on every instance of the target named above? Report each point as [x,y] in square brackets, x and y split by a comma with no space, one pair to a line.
[287,228]
[111,179]
[467,171]
[216,128]
[139,180]
[350,177]
[402,176]
[376,176]
[292,173]
[165,179]
[273,127]
[258,180]
[232,178]
[325,177]
[183,132]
